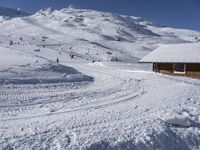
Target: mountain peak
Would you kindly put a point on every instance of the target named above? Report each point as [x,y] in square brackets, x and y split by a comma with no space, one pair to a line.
[45,11]
[12,12]
[73,6]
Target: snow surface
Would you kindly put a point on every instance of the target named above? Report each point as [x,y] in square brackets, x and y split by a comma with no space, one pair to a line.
[104,105]
[179,53]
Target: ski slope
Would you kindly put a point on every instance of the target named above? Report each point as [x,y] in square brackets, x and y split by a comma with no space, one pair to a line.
[78,104]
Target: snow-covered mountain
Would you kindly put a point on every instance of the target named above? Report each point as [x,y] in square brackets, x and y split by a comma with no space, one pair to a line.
[11,12]
[93,35]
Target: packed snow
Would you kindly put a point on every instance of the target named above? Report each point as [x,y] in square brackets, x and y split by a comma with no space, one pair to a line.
[70,79]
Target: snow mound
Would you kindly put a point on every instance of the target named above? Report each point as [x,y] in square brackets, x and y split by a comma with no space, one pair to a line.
[47,73]
[180,121]
[165,140]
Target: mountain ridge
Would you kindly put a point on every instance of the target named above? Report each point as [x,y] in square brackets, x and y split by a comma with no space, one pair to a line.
[12,12]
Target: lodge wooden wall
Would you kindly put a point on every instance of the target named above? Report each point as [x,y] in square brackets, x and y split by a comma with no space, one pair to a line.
[192,70]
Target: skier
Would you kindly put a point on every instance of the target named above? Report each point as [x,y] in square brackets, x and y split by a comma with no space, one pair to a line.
[57,60]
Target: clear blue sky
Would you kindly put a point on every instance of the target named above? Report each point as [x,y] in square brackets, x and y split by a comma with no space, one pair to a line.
[173,13]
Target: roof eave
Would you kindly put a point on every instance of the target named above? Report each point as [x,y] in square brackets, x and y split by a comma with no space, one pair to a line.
[172,62]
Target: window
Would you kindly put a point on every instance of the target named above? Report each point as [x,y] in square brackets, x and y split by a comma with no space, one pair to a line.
[179,68]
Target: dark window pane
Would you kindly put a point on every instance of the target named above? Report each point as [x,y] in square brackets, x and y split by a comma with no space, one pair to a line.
[179,67]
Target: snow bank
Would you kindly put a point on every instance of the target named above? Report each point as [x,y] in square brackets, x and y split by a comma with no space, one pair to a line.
[48,73]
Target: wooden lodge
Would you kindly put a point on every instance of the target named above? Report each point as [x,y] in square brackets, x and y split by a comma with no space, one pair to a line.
[176,59]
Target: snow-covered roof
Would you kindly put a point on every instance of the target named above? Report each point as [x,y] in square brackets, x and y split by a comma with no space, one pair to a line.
[175,53]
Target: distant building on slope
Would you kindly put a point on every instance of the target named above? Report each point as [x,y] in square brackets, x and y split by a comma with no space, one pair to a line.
[176,59]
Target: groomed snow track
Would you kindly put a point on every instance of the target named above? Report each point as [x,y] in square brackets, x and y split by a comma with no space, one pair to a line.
[109,88]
